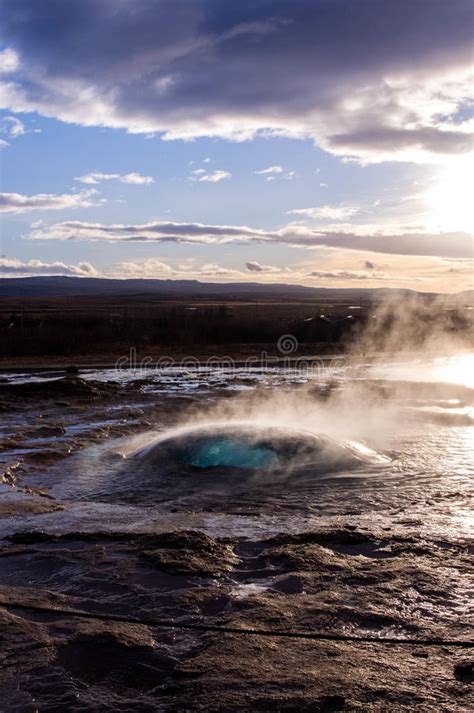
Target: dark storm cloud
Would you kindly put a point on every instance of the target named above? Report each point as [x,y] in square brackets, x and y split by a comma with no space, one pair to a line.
[386,139]
[348,74]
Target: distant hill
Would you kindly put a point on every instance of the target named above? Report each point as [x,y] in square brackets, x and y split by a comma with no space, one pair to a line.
[96,287]
[172,289]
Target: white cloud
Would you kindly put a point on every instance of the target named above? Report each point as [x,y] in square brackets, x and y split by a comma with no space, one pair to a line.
[19,203]
[326,212]
[215,176]
[132,178]
[153,268]
[212,270]
[270,169]
[136,179]
[17,268]
[273,172]
[143,268]
[9,61]
[11,126]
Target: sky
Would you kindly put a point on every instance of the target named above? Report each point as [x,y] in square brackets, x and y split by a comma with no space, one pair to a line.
[318,142]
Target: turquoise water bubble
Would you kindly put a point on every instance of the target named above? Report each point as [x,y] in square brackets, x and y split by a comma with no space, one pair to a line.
[230,453]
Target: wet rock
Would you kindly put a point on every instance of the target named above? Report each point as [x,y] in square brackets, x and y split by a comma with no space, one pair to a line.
[289,585]
[65,386]
[189,553]
[343,536]
[42,492]
[27,506]
[45,431]
[151,575]
[8,444]
[47,456]
[306,558]
[420,654]
[31,538]
[332,703]
[23,645]
[464,671]
[10,474]
[71,370]
[111,660]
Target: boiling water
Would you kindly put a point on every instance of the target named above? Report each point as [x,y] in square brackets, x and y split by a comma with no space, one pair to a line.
[390,443]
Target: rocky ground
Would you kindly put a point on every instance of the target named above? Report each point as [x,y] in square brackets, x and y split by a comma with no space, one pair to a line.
[311,582]
[356,579]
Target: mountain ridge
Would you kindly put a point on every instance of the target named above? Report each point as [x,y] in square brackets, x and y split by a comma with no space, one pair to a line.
[70,286]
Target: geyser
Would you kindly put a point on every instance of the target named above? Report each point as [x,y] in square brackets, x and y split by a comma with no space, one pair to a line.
[252,447]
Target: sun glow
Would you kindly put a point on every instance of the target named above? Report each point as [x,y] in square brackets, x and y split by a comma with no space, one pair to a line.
[449,200]
[455,370]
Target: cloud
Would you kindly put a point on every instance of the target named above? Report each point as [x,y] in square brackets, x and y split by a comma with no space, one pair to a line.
[335,237]
[326,212]
[386,141]
[253,266]
[270,169]
[19,203]
[11,126]
[273,172]
[433,273]
[9,61]
[17,268]
[153,268]
[367,80]
[136,179]
[349,275]
[215,176]
[203,175]
[156,232]
[143,269]
[131,178]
